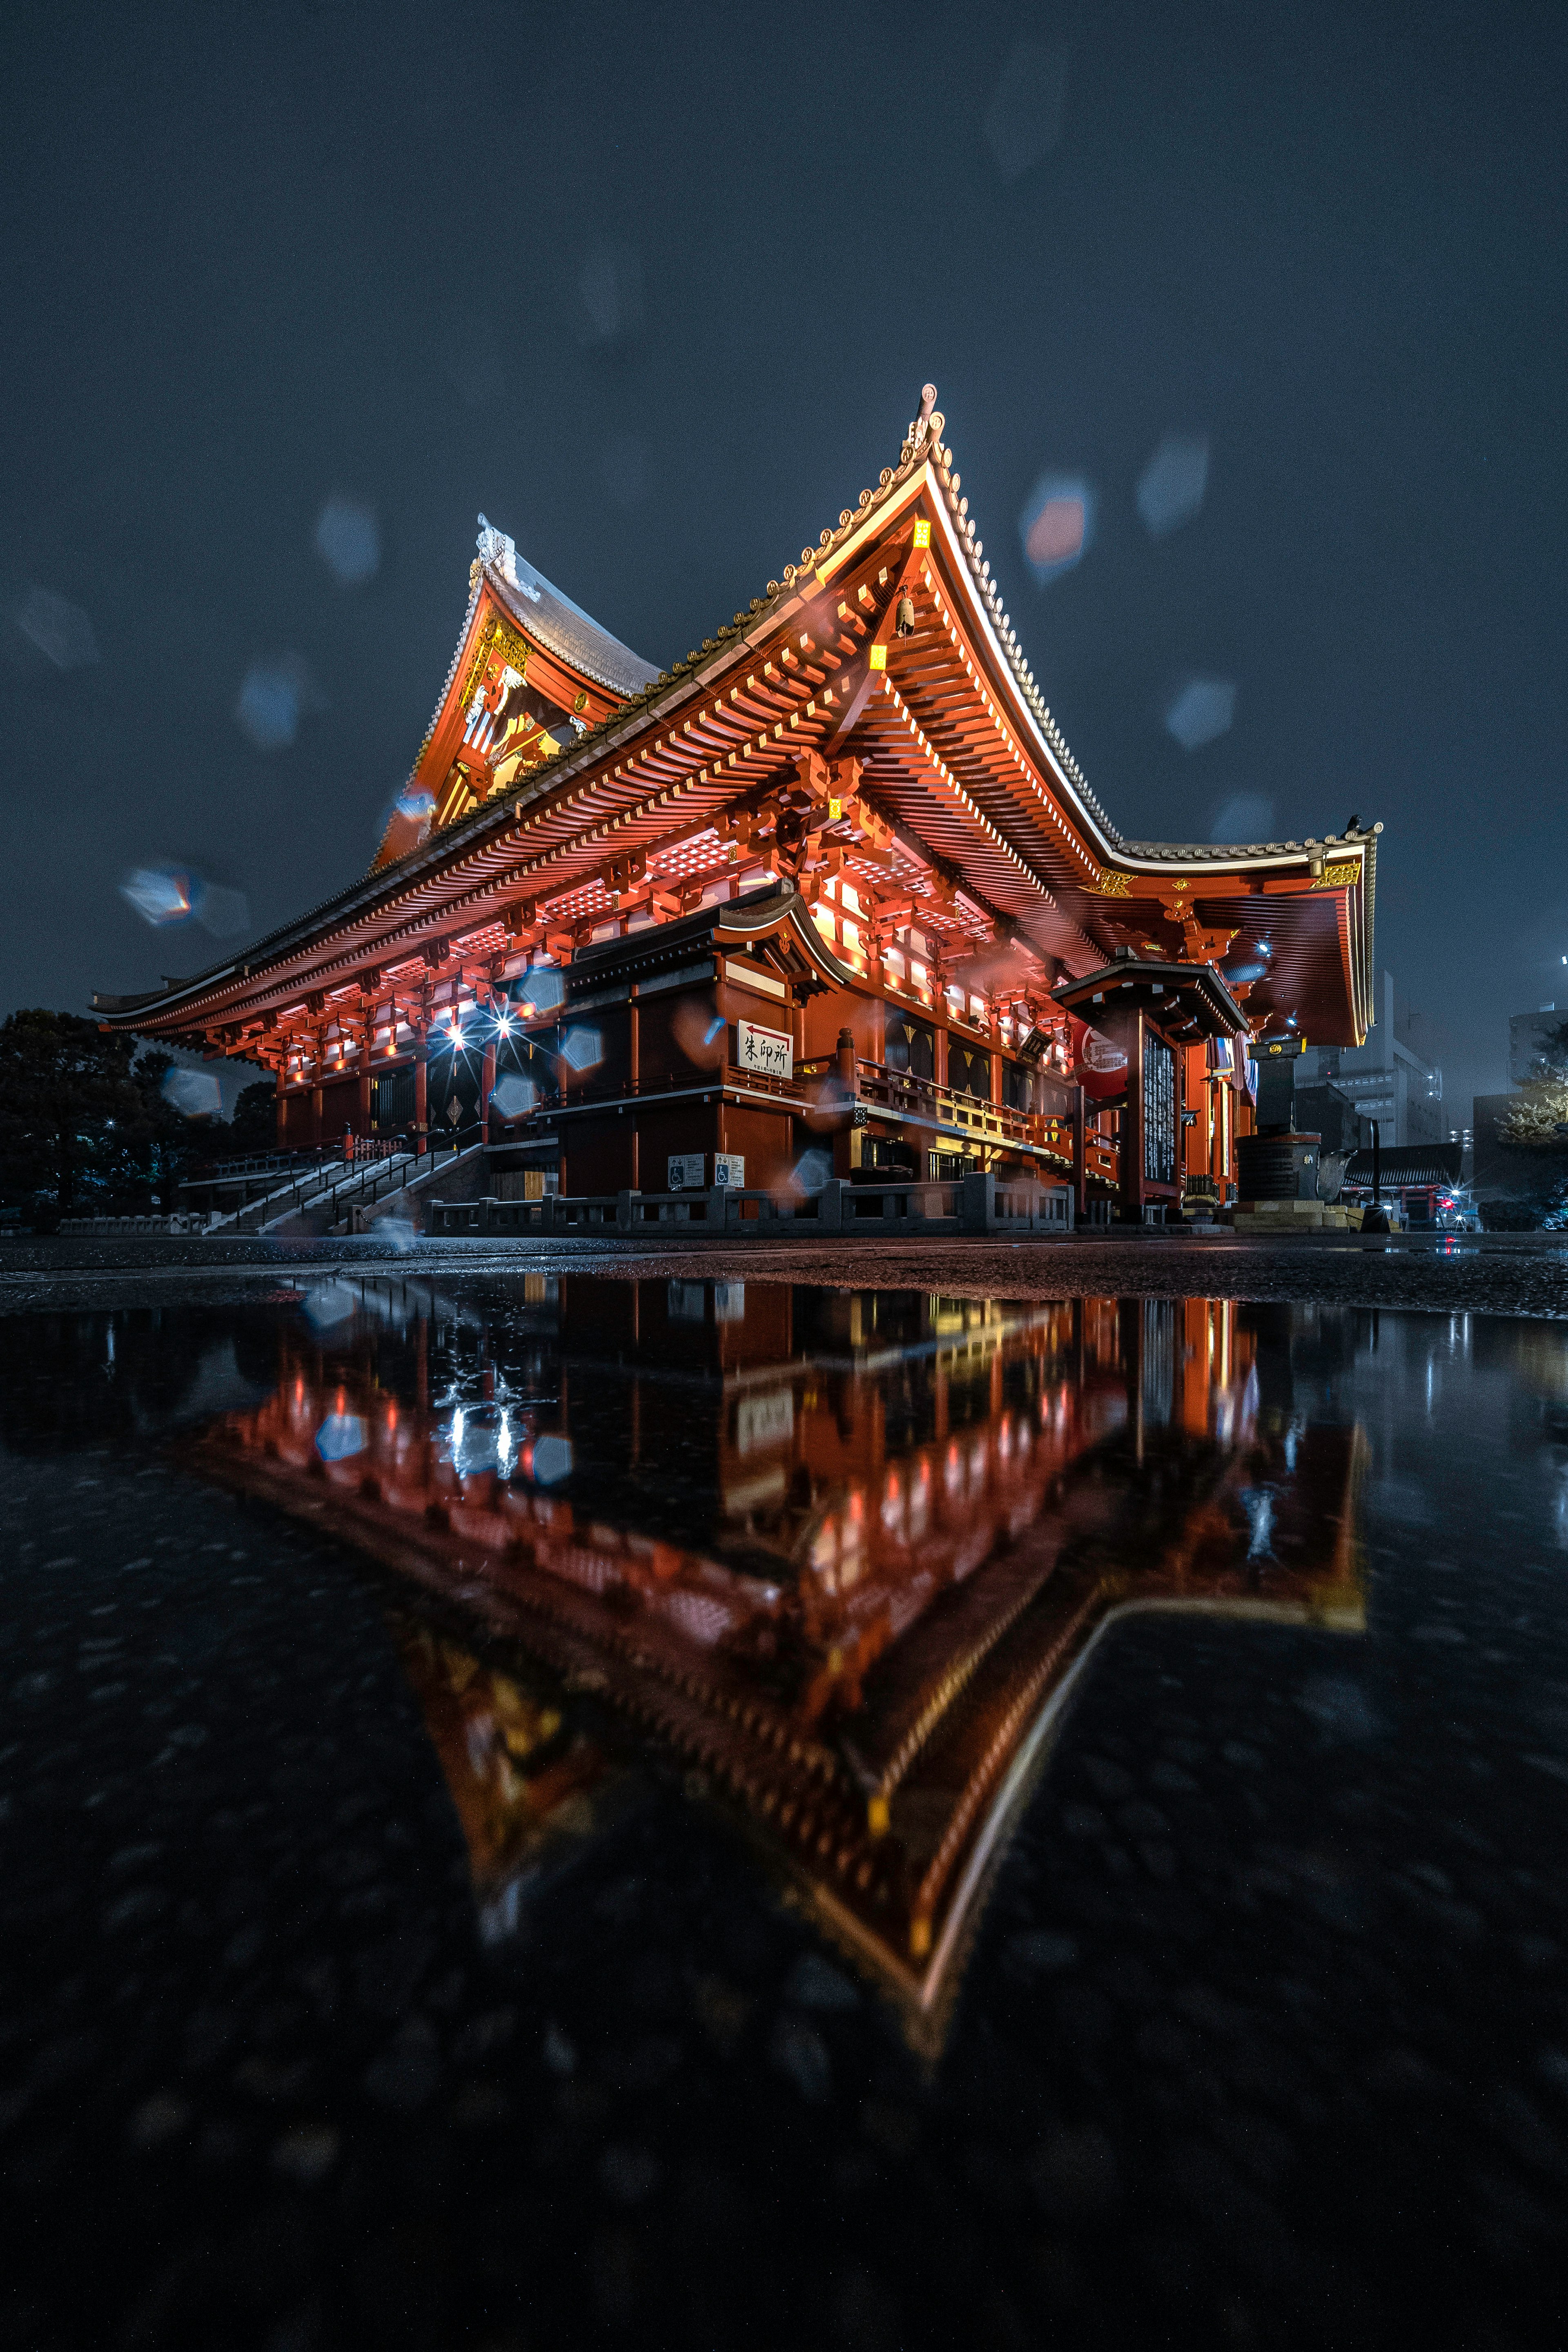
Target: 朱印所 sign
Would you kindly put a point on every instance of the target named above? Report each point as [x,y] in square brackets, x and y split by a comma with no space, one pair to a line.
[770,1051]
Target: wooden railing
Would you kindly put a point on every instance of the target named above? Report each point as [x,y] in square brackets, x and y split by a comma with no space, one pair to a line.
[897,1091]
[901,1091]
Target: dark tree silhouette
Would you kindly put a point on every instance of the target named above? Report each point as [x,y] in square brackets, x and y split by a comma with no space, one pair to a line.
[84,1123]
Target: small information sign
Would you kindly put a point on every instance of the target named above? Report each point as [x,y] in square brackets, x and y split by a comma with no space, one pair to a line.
[685,1171]
[730,1171]
[771,1051]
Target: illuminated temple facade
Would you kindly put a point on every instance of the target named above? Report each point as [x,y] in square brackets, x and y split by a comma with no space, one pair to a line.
[829,897]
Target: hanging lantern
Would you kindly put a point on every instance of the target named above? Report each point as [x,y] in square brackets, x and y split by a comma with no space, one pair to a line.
[906,614]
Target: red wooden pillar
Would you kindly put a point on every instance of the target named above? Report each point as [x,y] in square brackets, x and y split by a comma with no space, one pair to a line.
[281,1110]
[421,1086]
[367,1046]
[847,1143]
[1080,1157]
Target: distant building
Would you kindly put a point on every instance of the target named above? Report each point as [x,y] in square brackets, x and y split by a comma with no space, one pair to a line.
[1534,1038]
[1387,1079]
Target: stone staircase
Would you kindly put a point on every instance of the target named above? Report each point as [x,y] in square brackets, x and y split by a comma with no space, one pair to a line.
[322,1198]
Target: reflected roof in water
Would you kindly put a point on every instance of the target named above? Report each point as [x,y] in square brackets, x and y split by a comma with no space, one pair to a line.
[839,1555]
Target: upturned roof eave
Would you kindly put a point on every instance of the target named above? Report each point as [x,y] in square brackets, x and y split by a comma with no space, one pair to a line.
[915,481]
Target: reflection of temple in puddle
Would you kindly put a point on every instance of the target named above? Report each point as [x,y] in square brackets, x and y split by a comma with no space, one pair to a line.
[839,1553]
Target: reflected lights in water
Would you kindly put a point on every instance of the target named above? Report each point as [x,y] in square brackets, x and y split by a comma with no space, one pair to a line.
[841,1554]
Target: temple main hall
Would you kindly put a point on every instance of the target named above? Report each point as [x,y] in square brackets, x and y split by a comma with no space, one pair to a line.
[828,897]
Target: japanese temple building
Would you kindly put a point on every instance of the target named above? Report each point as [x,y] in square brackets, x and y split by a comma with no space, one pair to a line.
[830,896]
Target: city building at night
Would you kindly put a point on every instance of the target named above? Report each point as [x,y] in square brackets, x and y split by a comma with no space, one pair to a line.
[1386,1077]
[829,897]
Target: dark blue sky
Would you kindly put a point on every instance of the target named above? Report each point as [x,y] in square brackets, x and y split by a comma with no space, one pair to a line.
[657,290]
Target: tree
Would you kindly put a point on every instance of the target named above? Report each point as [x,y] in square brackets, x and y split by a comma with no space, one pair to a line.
[86,1122]
[172,1137]
[71,1110]
[254,1127]
[1537,1120]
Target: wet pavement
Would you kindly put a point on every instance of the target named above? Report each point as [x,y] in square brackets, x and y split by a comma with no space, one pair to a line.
[695,1809]
[1499,1273]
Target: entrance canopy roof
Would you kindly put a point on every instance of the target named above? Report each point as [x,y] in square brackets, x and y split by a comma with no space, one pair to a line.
[1188,1000]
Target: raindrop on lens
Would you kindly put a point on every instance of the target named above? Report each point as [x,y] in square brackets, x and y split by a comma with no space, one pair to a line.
[347,540]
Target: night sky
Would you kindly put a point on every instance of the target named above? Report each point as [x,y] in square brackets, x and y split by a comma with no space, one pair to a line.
[657,290]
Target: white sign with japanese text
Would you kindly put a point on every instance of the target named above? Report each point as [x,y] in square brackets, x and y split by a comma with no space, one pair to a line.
[771,1051]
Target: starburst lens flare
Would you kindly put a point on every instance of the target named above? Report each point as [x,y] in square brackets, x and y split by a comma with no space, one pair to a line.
[347,540]
[514,1097]
[1199,710]
[811,1171]
[582,1048]
[196,1093]
[340,1436]
[415,803]
[1171,488]
[1055,525]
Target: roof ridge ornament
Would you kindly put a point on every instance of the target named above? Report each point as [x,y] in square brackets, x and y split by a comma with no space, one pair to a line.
[499,552]
[926,429]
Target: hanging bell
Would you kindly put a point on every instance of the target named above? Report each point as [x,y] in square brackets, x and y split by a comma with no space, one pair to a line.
[906,614]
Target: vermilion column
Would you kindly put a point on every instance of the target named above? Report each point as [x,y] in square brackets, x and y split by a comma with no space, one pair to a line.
[1079,1156]
[367,1045]
[421,1086]
[280,1111]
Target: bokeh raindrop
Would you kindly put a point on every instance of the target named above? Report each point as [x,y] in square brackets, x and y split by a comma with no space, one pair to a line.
[1172,485]
[1055,524]
[347,540]
[1201,709]
[610,290]
[1246,816]
[60,630]
[1028,107]
[196,1093]
[273,698]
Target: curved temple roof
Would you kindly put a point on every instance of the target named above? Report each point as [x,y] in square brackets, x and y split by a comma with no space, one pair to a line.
[887,645]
